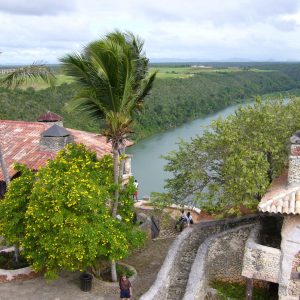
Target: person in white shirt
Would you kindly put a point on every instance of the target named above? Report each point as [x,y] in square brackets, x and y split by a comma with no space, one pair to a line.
[135,195]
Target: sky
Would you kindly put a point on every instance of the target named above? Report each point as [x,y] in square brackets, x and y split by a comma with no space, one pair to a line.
[185,30]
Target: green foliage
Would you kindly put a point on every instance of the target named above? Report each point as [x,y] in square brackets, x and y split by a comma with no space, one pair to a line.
[14,206]
[236,291]
[172,101]
[121,270]
[234,162]
[62,215]
[113,80]
[175,101]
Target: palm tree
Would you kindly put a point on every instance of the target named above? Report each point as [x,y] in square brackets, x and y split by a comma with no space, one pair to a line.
[16,78]
[113,77]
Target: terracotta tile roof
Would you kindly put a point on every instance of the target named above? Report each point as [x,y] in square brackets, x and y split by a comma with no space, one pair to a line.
[49,117]
[19,141]
[281,198]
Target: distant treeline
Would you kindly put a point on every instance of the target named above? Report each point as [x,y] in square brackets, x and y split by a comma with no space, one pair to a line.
[175,101]
[171,103]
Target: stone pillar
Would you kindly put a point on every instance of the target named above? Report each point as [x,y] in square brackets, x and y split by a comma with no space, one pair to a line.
[290,246]
[294,160]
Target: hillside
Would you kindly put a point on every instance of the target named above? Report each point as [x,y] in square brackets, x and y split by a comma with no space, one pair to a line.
[179,95]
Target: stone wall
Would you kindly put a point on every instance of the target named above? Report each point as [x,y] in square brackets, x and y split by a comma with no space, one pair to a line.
[290,246]
[261,262]
[54,143]
[218,258]
[200,236]
[158,290]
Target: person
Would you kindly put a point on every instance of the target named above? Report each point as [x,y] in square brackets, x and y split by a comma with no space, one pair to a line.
[125,287]
[181,221]
[189,219]
[183,216]
[135,195]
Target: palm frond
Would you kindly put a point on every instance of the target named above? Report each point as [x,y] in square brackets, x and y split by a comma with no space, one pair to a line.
[112,74]
[26,74]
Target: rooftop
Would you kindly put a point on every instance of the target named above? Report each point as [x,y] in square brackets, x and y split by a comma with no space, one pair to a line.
[20,143]
[281,198]
[49,117]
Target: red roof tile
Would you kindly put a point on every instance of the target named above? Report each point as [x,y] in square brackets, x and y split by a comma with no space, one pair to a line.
[19,141]
[49,117]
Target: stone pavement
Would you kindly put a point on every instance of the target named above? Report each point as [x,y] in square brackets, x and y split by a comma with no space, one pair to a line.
[67,287]
[146,261]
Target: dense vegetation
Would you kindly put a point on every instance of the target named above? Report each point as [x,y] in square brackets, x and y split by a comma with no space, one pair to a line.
[236,291]
[172,102]
[61,215]
[236,159]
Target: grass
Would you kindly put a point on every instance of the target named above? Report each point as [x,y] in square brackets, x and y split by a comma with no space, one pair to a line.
[236,291]
[163,73]
[185,72]
[121,270]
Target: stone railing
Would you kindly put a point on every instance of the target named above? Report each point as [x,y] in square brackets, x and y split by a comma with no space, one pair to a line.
[260,262]
[218,258]
[159,290]
[174,279]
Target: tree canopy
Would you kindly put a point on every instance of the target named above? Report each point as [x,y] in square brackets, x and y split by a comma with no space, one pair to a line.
[236,159]
[63,220]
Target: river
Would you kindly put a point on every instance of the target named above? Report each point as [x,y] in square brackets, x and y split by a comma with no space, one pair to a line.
[147,164]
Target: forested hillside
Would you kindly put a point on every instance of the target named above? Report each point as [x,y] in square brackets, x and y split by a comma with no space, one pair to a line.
[172,102]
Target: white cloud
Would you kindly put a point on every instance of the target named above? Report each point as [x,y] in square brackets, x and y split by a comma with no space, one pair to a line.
[36,7]
[215,29]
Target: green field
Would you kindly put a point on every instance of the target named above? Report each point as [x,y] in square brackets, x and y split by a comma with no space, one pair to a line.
[163,72]
[181,93]
[185,72]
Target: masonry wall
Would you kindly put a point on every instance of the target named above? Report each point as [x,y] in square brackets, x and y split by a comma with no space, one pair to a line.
[261,262]
[54,143]
[225,255]
[289,289]
[220,257]
[215,236]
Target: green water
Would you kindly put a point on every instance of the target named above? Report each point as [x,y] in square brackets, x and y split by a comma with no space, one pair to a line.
[147,164]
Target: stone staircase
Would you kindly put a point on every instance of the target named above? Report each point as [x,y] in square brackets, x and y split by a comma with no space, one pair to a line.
[177,276]
[184,260]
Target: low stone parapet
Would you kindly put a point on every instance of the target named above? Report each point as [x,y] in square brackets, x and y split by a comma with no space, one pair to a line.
[260,262]
[22,273]
[218,258]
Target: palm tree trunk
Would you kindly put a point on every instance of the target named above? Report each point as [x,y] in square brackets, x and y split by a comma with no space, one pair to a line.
[122,163]
[116,202]
[4,169]
[113,271]
[116,180]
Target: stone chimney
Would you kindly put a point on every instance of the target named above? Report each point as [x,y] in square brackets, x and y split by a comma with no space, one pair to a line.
[50,117]
[55,138]
[294,160]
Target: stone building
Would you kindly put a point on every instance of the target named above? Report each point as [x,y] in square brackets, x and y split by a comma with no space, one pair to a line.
[34,143]
[276,259]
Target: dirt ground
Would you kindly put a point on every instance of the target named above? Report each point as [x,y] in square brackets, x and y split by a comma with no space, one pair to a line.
[148,262]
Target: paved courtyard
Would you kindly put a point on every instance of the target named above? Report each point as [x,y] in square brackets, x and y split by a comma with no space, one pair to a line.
[146,261]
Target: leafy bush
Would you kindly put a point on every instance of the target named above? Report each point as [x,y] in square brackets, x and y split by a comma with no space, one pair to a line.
[236,291]
[62,214]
